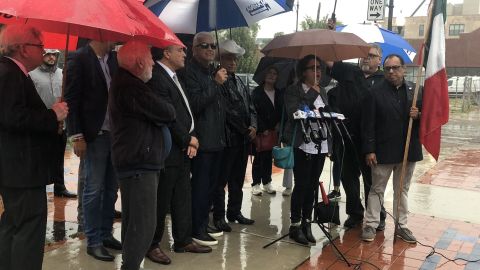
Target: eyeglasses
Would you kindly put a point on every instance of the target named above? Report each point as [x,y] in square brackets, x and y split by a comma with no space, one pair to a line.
[371,56]
[205,45]
[313,67]
[391,68]
[34,45]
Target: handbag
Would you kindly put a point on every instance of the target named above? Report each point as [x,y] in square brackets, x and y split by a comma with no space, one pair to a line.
[283,156]
[266,142]
[326,211]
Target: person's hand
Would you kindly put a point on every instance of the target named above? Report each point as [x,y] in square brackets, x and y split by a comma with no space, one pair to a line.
[79,147]
[193,142]
[252,133]
[221,76]
[331,23]
[191,152]
[371,159]
[61,110]
[266,132]
[414,112]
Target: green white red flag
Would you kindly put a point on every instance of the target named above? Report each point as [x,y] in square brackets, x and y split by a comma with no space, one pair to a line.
[435,107]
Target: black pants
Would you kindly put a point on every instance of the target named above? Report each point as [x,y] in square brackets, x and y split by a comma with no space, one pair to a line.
[22,228]
[139,216]
[262,168]
[205,174]
[174,191]
[58,166]
[234,165]
[306,171]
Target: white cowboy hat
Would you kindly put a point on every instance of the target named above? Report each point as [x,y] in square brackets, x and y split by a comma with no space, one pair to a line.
[231,47]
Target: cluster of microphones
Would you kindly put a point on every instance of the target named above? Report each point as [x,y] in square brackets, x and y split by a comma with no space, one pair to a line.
[315,123]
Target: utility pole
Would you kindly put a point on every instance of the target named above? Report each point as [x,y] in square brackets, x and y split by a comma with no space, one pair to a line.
[318,12]
[390,14]
[298,7]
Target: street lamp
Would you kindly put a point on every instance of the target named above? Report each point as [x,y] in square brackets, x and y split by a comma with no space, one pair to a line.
[400,21]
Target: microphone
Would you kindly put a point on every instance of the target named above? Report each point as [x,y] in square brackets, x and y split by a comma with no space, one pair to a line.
[302,117]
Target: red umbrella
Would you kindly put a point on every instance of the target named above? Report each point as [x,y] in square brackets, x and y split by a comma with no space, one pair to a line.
[103,20]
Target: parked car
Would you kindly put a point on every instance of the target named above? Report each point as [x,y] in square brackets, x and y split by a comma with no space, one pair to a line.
[458,84]
[247,79]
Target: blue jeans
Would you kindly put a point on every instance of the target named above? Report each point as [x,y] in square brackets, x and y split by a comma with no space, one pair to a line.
[100,191]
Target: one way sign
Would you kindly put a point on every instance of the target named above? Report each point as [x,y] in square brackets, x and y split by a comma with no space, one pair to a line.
[376,10]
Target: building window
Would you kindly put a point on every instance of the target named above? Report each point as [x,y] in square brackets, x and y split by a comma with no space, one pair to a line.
[421,30]
[456,29]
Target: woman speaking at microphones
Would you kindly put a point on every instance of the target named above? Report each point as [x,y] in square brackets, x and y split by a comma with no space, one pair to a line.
[309,148]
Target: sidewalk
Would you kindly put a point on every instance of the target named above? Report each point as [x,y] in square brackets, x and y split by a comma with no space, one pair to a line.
[443,202]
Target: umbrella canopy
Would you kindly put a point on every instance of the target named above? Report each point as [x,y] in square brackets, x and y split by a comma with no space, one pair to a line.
[112,20]
[390,42]
[326,44]
[193,16]
[286,69]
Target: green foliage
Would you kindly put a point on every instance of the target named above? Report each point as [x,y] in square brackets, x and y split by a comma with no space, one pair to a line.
[245,37]
[278,34]
[310,23]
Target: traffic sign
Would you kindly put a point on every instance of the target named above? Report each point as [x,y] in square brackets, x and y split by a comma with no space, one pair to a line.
[376,10]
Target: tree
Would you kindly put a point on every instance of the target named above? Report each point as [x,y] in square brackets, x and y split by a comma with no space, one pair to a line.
[245,37]
[278,34]
[310,23]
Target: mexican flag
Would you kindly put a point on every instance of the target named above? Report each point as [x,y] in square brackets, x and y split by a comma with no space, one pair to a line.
[435,107]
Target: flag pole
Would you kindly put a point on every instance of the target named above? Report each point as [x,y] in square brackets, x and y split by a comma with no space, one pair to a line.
[410,124]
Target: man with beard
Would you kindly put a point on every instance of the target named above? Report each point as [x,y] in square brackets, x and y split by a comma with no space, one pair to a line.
[48,82]
[388,109]
[353,85]
[140,144]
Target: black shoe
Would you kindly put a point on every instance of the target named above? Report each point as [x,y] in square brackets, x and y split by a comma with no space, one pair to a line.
[117,214]
[100,253]
[112,243]
[295,233]
[204,240]
[222,225]
[241,219]
[334,195]
[214,232]
[307,232]
[64,193]
[381,225]
[352,222]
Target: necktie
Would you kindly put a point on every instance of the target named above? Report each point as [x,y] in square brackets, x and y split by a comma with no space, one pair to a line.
[177,82]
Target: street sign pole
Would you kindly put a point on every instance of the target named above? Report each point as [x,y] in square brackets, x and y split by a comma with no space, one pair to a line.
[390,14]
[376,10]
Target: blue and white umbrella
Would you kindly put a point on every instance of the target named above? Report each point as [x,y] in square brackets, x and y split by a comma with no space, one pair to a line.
[390,42]
[193,16]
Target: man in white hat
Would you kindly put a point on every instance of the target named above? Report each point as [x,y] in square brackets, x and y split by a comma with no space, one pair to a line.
[240,129]
[48,82]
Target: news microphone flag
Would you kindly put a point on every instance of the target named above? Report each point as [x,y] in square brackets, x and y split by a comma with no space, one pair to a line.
[435,107]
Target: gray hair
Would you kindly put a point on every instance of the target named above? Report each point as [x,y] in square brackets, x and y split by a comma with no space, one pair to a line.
[12,36]
[132,51]
[200,35]
[377,47]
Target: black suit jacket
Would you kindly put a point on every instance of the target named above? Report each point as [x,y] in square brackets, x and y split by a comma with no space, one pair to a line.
[27,131]
[163,84]
[86,92]
[268,114]
[385,124]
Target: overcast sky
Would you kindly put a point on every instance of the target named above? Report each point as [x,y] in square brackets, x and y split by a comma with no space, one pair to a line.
[348,11]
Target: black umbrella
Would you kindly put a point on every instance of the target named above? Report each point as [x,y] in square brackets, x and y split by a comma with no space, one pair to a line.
[285,66]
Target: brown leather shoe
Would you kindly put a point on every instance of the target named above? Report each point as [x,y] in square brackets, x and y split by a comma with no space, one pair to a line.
[157,255]
[193,248]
